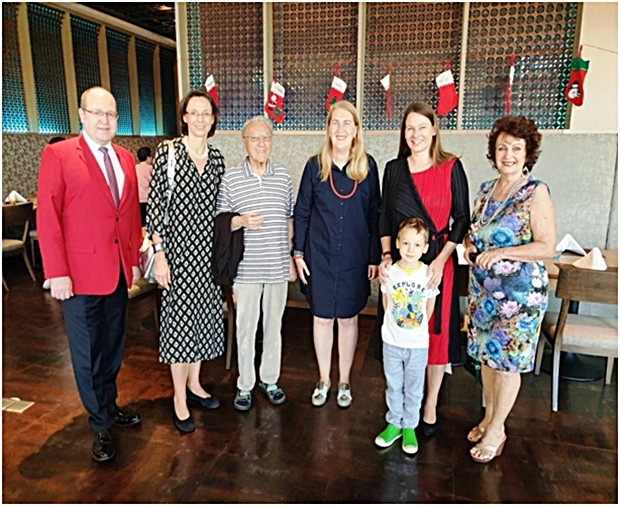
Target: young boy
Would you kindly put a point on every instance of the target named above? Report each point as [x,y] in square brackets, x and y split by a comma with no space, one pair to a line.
[408,306]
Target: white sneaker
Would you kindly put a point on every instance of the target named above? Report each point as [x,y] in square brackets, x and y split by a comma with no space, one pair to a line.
[344,398]
[319,396]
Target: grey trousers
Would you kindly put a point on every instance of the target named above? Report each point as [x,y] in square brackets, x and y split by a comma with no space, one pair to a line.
[249,297]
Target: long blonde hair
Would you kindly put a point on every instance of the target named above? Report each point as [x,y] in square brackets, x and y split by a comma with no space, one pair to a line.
[358,164]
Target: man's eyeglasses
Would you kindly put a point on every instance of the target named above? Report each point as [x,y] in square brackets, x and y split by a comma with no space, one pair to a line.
[101,114]
[256,138]
[196,114]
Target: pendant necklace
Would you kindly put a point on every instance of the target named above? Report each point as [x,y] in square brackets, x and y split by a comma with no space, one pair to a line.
[339,195]
[193,153]
[484,222]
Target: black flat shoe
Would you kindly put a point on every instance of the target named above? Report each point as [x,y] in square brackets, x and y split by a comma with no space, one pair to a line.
[124,418]
[428,429]
[210,402]
[184,426]
[103,447]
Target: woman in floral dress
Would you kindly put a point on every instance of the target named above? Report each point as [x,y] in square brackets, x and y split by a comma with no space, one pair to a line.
[512,231]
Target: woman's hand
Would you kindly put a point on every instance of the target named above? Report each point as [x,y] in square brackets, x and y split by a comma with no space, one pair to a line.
[470,255]
[385,264]
[302,269]
[487,258]
[161,271]
[373,270]
[435,272]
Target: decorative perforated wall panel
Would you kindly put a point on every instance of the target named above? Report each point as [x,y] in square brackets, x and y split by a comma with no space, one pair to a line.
[119,79]
[84,35]
[416,39]
[49,72]
[144,56]
[168,90]
[541,36]
[13,107]
[194,45]
[230,48]
[308,40]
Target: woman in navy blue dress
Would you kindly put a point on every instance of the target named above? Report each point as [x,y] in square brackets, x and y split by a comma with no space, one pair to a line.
[336,245]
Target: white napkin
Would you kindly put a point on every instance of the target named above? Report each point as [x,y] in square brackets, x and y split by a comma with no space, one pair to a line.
[568,243]
[593,260]
[14,197]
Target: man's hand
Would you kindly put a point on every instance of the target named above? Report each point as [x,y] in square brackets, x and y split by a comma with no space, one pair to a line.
[252,221]
[292,271]
[61,288]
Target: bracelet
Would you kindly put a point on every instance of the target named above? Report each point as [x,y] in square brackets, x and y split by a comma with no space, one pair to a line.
[386,253]
[158,247]
[295,257]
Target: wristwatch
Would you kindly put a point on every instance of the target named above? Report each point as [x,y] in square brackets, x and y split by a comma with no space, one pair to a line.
[158,247]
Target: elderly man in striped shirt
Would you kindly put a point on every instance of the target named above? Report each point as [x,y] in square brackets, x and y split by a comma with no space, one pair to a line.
[262,193]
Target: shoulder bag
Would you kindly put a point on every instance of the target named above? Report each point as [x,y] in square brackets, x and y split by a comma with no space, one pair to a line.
[146,252]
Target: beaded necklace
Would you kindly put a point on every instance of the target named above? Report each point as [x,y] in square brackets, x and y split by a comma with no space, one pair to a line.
[482,221]
[339,195]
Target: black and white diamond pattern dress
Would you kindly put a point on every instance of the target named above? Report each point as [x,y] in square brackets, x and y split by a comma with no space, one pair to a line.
[191,320]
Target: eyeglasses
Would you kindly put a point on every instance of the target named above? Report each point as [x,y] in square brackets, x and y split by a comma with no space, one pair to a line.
[101,114]
[256,138]
[196,114]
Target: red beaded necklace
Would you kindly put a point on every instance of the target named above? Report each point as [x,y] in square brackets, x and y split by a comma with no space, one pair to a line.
[343,197]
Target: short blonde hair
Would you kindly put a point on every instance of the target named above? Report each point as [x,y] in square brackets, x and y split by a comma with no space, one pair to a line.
[414,224]
[358,166]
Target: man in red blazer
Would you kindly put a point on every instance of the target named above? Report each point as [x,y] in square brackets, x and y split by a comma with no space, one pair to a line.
[89,231]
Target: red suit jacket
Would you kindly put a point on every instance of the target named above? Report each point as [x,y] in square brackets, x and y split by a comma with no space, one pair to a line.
[81,233]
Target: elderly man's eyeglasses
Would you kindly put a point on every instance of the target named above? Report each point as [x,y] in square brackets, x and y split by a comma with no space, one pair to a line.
[257,138]
[101,114]
[201,115]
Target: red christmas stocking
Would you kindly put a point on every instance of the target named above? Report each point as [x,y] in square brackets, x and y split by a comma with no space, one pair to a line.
[212,89]
[574,91]
[336,92]
[448,99]
[274,107]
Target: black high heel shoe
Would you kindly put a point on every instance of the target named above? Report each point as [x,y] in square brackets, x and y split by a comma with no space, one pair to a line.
[184,426]
[428,429]
[210,402]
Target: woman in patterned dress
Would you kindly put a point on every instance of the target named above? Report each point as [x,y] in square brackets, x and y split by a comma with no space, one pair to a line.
[191,322]
[429,183]
[512,231]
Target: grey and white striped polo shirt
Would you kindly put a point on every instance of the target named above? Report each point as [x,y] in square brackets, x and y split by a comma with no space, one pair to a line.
[266,254]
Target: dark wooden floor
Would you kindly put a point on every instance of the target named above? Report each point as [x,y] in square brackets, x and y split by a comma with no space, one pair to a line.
[291,453]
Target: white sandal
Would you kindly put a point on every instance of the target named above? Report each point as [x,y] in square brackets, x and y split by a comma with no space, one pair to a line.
[319,396]
[344,398]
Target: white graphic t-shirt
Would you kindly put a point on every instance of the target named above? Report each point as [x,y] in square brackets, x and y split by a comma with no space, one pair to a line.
[406,322]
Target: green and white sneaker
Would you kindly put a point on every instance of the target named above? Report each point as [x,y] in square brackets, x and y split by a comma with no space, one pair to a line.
[389,435]
[410,442]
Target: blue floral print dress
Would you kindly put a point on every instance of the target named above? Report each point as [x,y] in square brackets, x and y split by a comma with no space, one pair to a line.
[507,302]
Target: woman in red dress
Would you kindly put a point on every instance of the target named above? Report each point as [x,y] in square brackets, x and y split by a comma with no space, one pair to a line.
[429,183]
